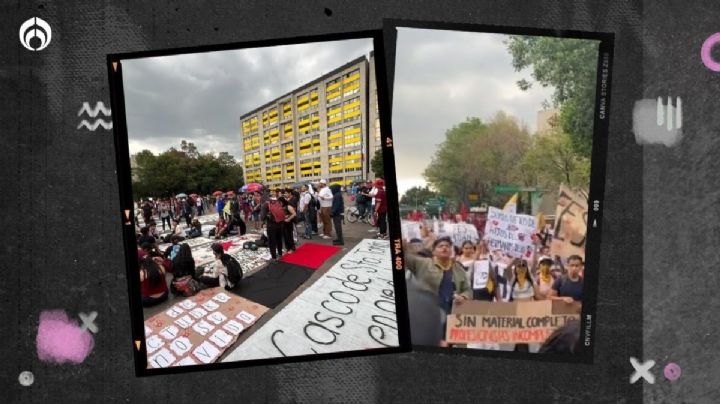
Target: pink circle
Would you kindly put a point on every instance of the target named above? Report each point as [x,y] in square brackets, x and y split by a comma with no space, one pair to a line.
[672,371]
[705,55]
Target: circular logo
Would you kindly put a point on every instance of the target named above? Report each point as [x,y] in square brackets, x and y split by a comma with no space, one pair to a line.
[26,378]
[35,34]
[705,52]
[672,371]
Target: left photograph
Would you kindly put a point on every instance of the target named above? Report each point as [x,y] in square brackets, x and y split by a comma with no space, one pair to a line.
[254,208]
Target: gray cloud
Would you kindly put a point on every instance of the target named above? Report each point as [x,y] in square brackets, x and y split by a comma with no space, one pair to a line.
[200,97]
[443,77]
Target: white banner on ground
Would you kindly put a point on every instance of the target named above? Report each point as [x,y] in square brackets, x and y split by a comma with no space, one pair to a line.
[510,233]
[350,308]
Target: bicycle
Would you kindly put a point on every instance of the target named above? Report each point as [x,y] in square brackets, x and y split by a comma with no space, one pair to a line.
[352,215]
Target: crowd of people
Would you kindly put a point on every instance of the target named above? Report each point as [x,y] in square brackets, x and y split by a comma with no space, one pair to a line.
[450,274]
[274,213]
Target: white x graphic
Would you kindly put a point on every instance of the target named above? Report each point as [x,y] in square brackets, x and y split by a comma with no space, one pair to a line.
[642,371]
[89,321]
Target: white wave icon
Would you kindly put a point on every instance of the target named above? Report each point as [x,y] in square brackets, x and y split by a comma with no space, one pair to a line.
[99,107]
[94,125]
[94,112]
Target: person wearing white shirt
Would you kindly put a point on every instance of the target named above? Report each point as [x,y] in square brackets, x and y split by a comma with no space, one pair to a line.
[372,193]
[305,210]
[326,197]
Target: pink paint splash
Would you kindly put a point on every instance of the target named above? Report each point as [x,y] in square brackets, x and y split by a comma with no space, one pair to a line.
[61,340]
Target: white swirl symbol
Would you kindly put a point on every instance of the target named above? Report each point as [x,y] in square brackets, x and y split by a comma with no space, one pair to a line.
[35,28]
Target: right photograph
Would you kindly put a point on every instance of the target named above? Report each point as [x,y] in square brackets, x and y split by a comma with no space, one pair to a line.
[499,145]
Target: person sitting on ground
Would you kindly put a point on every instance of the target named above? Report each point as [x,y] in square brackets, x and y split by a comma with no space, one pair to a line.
[237,224]
[175,230]
[173,249]
[569,288]
[195,229]
[153,286]
[183,262]
[227,268]
[145,237]
[221,228]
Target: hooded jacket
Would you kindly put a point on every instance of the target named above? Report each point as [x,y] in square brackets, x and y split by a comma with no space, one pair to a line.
[338,204]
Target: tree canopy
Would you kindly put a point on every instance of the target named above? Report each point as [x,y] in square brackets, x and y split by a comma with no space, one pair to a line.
[185,170]
[476,156]
[417,196]
[570,66]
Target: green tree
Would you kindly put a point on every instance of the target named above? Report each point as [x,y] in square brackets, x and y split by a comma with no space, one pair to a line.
[552,160]
[475,157]
[417,196]
[376,165]
[570,66]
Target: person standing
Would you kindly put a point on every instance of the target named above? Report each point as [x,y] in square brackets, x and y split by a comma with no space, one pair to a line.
[274,215]
[336,212]
[304,205]
[187,212]
[569,288]
[381,208]
[219,206]
[147,211]
[164,213]
[289,225]
[326,197]
[362,198]
[199,206]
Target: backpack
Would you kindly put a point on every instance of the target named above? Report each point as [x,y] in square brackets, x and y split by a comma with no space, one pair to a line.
[185,286]
[276,211]
[234,269]
[315,202]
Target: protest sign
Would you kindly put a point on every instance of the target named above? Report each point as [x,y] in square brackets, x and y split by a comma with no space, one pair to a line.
[570,224]
[510,233]
[351,307]
[410,229]
[475,322]
[198,329]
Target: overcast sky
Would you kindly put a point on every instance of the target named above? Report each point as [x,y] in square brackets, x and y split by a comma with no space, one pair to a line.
[200,97]
[442,77]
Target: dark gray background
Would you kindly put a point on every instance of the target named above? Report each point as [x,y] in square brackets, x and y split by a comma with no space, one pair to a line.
[62,245]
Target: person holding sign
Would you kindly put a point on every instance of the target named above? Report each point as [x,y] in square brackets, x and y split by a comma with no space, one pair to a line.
[478,273]
[569,288]
[440,274]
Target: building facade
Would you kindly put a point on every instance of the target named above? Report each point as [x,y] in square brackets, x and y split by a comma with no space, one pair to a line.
[323,130]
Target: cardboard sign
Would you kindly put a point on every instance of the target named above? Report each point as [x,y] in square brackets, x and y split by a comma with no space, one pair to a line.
[200,335]
[475,322]
[510,233]
[410,229]
[570,224]
[351,307]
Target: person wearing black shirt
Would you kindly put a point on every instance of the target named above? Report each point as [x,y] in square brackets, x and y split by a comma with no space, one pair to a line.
[569,288]
[145,237]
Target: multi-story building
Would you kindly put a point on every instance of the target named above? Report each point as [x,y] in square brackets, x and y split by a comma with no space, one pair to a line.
[326,129]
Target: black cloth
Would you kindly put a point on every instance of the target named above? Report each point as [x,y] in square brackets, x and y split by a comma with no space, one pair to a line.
[289,236]
[273,284]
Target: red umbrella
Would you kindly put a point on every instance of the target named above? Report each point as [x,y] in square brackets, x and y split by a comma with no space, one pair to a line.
[254,187]
[217,193]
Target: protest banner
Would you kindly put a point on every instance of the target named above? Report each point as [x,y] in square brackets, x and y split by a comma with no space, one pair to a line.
[198,329]
[351,307]
[510,233]
[410,229]
[570,224]
[474,322]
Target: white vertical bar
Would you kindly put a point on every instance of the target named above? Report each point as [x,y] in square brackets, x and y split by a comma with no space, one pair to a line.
[678,113]
[660,112]
[669,114]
